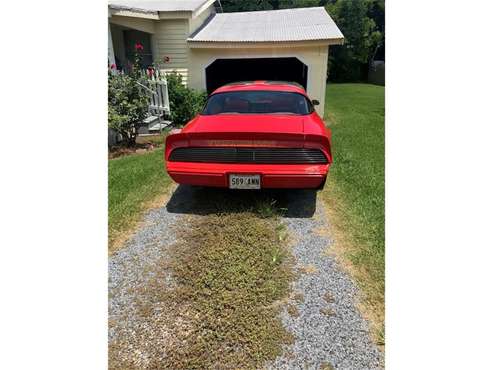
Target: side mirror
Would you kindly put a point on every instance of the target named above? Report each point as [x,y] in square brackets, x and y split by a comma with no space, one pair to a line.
[315,102]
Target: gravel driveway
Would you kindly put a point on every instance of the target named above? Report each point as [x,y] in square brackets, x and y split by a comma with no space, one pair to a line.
[327,327]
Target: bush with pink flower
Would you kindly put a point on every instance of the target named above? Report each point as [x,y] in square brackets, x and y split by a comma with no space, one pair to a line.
[127,100]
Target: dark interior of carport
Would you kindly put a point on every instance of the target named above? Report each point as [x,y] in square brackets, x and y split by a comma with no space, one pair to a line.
[223,71]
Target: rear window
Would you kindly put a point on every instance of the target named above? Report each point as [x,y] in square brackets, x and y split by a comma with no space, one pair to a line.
[251,102]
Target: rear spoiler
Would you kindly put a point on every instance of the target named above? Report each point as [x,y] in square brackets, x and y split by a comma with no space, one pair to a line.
[177,139]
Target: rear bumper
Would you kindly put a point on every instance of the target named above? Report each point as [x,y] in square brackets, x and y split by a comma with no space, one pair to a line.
[303,176]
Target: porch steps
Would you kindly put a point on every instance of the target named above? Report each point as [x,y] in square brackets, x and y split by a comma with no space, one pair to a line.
[158,126]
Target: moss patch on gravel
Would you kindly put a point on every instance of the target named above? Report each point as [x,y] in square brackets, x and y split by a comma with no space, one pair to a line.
[215,302]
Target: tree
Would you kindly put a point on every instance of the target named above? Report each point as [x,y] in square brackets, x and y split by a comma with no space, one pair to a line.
[287,4]
[349,62]
[254,5]
[230,6]
[376,11]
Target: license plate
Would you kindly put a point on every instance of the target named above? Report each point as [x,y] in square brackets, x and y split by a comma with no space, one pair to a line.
[244,181]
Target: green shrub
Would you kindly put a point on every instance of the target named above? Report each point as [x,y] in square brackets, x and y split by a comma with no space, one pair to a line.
[184,103]
[127,105]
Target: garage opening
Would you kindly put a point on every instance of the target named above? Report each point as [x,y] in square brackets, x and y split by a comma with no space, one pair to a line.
[223,71]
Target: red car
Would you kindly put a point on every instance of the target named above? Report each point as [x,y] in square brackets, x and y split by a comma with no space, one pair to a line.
[252,135]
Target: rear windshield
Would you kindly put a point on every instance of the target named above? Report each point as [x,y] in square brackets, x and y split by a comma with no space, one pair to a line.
[264,102]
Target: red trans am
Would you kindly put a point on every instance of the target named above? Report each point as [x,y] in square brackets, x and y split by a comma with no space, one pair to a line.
[252,135]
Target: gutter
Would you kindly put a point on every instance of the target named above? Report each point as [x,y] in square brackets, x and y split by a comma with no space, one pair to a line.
[259,44]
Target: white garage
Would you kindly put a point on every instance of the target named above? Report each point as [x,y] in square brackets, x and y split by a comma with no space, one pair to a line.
[289,44]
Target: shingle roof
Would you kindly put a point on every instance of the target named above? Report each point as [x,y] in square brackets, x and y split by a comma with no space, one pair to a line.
[157,5]
[301,24]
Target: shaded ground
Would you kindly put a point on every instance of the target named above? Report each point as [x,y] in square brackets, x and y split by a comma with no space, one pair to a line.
[320,312]
[204,201]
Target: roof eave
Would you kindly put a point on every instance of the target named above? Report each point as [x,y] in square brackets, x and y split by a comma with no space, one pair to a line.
[149,14]
[130,11]
[126,11]
[175,14]
[337,41]
[210,44]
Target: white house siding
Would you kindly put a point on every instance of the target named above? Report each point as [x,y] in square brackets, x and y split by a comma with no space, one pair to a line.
[315,57]
[170,40]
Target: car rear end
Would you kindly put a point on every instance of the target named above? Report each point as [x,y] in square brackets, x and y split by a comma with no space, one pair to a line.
[240,150]
[248,161]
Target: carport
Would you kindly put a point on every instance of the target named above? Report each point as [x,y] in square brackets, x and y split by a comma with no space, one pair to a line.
[286,45]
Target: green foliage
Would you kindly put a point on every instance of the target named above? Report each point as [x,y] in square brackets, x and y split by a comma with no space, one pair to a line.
[127,104]
[288,4]
[184,103]
[376,11]
[348,62]
[253,5]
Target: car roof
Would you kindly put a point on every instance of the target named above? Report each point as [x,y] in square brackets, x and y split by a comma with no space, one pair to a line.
[264,85]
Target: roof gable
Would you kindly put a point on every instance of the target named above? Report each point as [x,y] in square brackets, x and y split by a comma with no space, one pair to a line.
[157,5]
[300,24]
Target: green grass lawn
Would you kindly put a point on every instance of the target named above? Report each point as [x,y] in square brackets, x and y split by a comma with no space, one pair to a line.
[355,190]
[133,182]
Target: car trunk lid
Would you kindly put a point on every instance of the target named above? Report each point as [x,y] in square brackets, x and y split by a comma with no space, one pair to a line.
[258,130]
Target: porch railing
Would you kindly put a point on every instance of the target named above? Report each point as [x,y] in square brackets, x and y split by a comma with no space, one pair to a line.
[154,82]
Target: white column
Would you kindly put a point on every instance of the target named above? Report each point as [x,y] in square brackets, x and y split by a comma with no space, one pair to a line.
[111,52]
[324,51]
[154,48]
